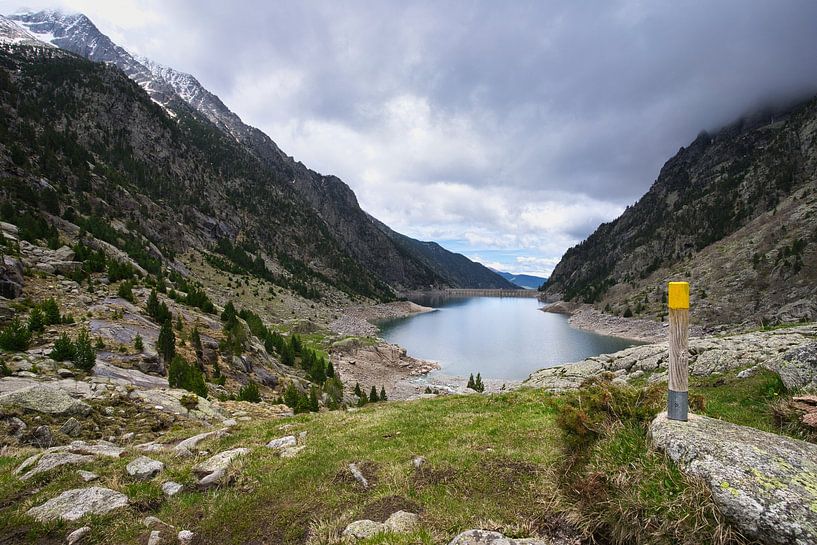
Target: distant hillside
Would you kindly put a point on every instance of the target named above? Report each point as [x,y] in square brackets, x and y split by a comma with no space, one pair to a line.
[527,281]
[734,213]
[401,267]
[457,270]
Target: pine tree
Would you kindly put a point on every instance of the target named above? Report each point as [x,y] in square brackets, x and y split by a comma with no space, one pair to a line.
[153,304]
[36,321]
[138,344]
[228,315]
[166,344]
[313,399]
[373,395]
[383,394]
[195,340]
[471,384]
[478,386]
[358,391]
[330,370]
[179,324]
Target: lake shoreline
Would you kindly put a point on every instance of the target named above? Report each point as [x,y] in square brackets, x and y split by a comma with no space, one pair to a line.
[588,318]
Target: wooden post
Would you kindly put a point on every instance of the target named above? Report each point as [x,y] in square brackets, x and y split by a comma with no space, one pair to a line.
[678,398]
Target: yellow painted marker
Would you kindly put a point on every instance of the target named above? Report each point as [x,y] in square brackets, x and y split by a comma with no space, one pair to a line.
[678,295]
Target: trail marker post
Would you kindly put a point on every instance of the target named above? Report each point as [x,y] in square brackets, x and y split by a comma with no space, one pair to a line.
[678,398]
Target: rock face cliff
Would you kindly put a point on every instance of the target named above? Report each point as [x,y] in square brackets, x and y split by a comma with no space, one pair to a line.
[734,213]
[401,266]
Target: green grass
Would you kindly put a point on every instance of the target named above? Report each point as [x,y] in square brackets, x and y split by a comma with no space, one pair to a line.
[741,401]
[489,462]
[514,462]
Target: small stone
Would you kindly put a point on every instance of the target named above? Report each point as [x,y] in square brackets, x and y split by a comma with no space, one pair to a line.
[65,373]
[810,420]
[282,442]
[71,427]
[221,461]
[292,452]
[229,423]
[358,475]
[144,468]
[78,535]
[363,529]
[127,437]
[302,437]
[402,522]
[185,537]
[155,537]
[42,437]
[418,462]
[152,522]
[210,480]
[87,476]
[171,489]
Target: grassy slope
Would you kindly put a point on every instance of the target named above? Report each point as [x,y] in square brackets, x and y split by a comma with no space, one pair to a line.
[489,462]
[496,461]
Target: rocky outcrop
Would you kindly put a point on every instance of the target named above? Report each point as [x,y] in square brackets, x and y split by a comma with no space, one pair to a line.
[76,503]
[213,471]
[707,355]
[44,399]
[798,367]
[765,483]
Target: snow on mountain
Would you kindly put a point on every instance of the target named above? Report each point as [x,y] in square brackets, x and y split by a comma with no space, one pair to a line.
[76,33]
[12,33]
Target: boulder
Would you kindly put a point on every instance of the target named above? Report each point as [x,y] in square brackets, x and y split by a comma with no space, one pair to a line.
[402,522]
[363,529]
[11,277]
[282,442]
[44,399]
[50,460]
[144,468]
[220,461]
[71,427]
[484,537]
[292,452]
[191,442]
[42,437]
[78,502]
[798,367]
[64,253]
[765,483]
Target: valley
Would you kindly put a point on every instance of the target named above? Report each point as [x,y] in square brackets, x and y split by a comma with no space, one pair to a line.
[203,340]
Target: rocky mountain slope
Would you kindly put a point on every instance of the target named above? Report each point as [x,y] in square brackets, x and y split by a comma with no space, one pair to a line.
[401,266]
[734,213]
[527,281]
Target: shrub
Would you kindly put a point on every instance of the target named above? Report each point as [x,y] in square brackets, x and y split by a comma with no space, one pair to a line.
[181,374]
[189,402]
[119,271]
[15,336]
[138,344]
[63,349]
[125,291]
[296,399]
[36,320]
[249,392]
[313,399]
[51,312]
[84,353]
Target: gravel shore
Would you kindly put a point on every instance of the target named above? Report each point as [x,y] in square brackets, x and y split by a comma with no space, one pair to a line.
[587,317]
[358,321]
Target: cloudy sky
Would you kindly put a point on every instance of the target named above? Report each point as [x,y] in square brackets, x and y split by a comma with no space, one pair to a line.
[504,130]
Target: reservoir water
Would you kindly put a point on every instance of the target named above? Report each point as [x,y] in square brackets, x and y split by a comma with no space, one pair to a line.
[500,337]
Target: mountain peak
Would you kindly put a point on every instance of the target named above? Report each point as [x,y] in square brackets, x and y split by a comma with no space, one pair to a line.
[12,33]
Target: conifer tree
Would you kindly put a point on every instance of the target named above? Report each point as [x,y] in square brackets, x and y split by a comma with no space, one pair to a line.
[478,386]
[330,370]
[383,394]
[166,344]
[373,395]
[471,383]
[313,399]
[179,325]
[358,391]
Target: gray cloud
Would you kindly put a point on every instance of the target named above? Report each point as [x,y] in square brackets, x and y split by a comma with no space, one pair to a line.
[488,114]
